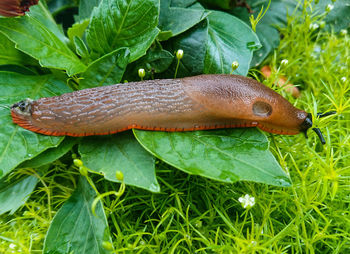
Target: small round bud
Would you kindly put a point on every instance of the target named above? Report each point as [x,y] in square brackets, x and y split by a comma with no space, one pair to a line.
[234,65]
[329,7]
[78,163]
[74,156]
[343,79]
[179,54]
[119,175]
[313,26]
[322,24]
[83,171]
[343,32]
[142,73]
[284,62]
[107,245]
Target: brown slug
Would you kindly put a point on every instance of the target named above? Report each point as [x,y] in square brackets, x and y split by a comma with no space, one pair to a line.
[194,103]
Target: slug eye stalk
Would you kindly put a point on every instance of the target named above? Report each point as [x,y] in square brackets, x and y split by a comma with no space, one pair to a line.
[308,124]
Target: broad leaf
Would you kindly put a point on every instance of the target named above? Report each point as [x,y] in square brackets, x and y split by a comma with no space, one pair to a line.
[193,43]
[267,28]
[230,39]
[157,60]
[339,17]
[78,29]
[42,14]
[10,55]
[81,49]
[86,7]
[123,23]
[226,155]
[154,62]
[15,193]
[51,154]
[75,229]
[107,70]
[16,143]
[55,6]
[120,152]
[178,19]
[33,38]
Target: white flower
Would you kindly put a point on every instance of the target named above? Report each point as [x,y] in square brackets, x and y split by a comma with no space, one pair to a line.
[313,26]
[247,201]
[12,246]
[284,62]
[343,79]
[329,7]
[343,32]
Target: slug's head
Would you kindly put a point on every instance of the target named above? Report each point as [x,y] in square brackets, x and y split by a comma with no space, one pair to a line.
[21,112]
[307,124]
[23,107]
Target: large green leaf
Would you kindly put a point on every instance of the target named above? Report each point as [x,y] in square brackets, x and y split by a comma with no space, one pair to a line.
[15,193]
[123,23]
[267,28]
[155,61]
[226,155]
[16,143]
[339,17]
[50,154]
[34,38]
[230,39]
[78,29]
[121,152]
[178,19]
[86,7]
[10,55]
[193,43]
[43,15]
[75,229]
[107,70]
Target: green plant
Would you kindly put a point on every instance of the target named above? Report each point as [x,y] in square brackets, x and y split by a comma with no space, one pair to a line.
[190,213]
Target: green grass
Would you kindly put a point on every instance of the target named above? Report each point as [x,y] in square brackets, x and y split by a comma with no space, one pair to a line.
[194,214]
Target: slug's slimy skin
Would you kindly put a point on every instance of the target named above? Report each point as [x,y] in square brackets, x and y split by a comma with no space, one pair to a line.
[193,103]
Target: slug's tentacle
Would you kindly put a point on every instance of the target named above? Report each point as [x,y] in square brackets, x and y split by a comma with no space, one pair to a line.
[193,103]
[320,115]
[319,134]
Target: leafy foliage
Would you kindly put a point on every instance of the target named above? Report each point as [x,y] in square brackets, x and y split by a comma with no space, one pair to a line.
[108,43]
[75,228]
[220,155]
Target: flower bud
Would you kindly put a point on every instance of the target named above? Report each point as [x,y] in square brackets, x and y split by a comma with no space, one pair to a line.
[329,7]
[107,245]
[78,163]
[142,73]
[284,62]
[234,65]
[179,54]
